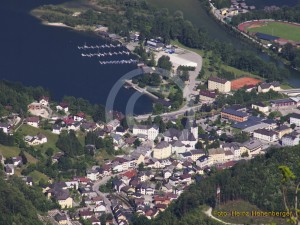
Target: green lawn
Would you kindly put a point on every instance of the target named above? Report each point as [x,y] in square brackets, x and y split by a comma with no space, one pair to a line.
[12,151]
[52,138]
[243,206]
[37,176]
[283,30]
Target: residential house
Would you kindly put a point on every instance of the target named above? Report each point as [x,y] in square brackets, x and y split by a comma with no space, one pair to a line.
[150,131]
[162,150]
[195,154]
[265,135]
[217,154]
[35,140]
[207,96]
[9,169]
[5,127]
[92,174]
[290,140]
[204,161]
[56,129]
[295,119]
[113,124]
[234,147]
[63,106]
[234,115]
[44,100]
[17,161]
[61,219]
[187,136]
[265,87]
[216,83]
[62,196]
[79,117]
[260,107]
[32,121]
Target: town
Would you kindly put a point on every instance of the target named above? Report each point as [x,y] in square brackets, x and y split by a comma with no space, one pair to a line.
[155,160]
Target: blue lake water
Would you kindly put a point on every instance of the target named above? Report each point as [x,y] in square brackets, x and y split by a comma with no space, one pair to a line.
[39,55]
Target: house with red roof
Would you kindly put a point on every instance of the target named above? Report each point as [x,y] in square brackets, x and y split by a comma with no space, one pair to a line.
[79,116]
[63,106]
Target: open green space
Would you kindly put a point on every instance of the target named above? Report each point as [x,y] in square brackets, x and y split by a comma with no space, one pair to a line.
[32,131]
[282,30]
[37,176]
[235,212]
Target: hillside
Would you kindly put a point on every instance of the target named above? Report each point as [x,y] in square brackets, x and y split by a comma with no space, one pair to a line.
[257,181]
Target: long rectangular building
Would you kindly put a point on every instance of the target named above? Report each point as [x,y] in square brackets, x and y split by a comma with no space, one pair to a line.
[234,115]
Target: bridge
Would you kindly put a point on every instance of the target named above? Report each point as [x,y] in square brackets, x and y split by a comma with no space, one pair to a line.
[291,92]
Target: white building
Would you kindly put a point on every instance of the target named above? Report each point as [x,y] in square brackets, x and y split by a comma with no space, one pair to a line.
[5,127]
[290,140]
[265,135]
[150,131]
[295,119]
[33,121]
[260,107]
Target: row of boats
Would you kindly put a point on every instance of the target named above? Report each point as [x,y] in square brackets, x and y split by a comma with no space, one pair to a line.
[99,46]
[105,54]
[118,62]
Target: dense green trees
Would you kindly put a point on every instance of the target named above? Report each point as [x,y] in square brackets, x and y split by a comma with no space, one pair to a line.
[20,203]
[164,63]
[69,144]
[147,79]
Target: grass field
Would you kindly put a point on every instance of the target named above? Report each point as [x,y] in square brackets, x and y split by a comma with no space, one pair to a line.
[283,30]
[243,206]
[52,138]
[37,176]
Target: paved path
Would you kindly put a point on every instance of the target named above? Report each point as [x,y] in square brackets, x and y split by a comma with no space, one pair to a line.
[209,214]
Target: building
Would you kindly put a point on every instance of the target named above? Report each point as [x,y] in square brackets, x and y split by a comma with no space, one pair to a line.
[204,161]
[155,45]
[207,96]
[5,127]
[252,147]
[63,107]
[295,119]
[283,130]
[196,154]
[265,87]
[217,155]
[260,107]
[283,103]
[36,140]
[162,150]
[234,115]
[290,140]
[265,135]
[44,100]
[151,131]
[216,83]
[33,121]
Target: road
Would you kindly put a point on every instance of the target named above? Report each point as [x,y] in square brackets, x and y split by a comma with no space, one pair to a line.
[96,186]
[209,214]
[170,114]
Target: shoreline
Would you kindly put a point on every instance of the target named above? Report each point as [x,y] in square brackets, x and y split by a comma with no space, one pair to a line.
[55,24]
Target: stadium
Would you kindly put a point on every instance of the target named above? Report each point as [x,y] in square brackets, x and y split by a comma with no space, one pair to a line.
[281,32]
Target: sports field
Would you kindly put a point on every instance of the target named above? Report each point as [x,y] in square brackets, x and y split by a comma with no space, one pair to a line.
[283,30]
[244,81]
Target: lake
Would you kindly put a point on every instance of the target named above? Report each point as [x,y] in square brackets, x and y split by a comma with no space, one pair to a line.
[46,56]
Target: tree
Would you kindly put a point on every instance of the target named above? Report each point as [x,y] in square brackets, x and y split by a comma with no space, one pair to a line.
[49,152]
[164,63]
[137,143]
[24,158]
[70,144]
[290,185]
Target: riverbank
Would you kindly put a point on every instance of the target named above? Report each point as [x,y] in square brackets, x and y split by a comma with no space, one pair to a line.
[55,24]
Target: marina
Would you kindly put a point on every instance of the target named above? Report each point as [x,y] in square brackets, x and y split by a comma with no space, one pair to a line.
[104,54]
[118,62]
[84,47]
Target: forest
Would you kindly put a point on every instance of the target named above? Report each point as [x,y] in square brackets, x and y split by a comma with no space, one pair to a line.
[258,181]
[20,203]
